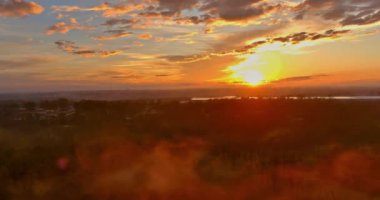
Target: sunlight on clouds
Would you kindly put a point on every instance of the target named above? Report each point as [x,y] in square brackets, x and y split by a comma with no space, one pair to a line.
[286,48]
[192,41]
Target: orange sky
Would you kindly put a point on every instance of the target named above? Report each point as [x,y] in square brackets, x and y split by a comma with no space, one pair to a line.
[123,44]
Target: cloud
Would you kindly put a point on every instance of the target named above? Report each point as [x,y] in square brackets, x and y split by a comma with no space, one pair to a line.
[238,39]
[23,62]
[164,75]
[363,18]
[113,34]
[167,8]
[292,39]
[70,47]
[346,12]
[175,6]
[300,78]
[187,58]
[303,36]
[250,48]
[19,8]
[63,27]
[107,9]
[124,22]
[205,19]
[210,12]
[240,10]
[145,36]
[115,74]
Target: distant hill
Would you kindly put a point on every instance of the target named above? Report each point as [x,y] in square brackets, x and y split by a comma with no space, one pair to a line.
[190,93]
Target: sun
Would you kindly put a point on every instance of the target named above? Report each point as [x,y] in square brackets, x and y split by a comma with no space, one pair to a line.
[252,77]
[246,76]
[245,72]
[254,70]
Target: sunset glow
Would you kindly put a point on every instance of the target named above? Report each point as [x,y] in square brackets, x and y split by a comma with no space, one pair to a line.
[254,70]
[245,72]
[190,99]
[91,45]
[252,77]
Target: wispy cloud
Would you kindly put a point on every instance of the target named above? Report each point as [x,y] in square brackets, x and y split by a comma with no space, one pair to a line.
[299,78]
[107,9]
[121,21]
[71,47]
[24,62]
[113,34]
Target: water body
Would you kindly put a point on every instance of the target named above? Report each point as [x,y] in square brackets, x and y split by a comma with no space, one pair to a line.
[289,98]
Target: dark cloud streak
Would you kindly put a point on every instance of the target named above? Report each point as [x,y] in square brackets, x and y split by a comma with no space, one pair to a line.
[70,47]
[250,48]
[300,78]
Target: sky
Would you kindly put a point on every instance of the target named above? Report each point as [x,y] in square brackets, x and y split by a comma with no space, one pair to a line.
[54,45]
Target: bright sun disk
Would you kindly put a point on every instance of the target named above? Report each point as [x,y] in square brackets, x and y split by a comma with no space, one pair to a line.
[252,77]
[245,73]
[255,69]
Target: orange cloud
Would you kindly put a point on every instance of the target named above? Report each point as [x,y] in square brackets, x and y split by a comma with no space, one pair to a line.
[107,9]
[19,8]
[63,27]
[145,36]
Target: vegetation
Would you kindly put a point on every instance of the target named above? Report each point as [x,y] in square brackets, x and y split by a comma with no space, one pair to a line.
[220,149]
